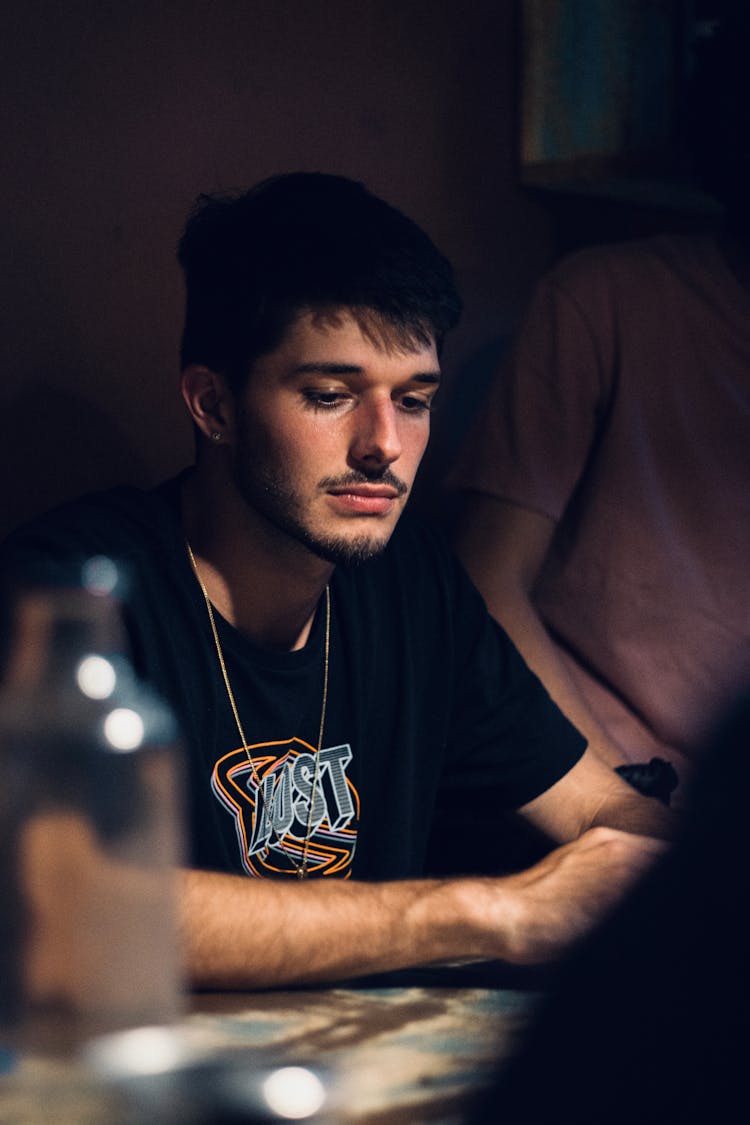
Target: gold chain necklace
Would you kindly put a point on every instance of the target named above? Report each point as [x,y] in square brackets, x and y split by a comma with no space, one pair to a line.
[301,868]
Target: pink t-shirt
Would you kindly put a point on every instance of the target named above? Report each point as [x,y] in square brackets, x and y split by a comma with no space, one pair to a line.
[624,414]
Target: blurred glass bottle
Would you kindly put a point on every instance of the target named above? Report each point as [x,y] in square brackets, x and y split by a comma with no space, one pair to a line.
[90,826]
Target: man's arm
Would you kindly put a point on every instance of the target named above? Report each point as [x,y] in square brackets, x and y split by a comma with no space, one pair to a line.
[503,547]
[255,933]
[591,795]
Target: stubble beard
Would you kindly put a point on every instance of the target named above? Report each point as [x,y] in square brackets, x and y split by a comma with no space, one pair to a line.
[273,495]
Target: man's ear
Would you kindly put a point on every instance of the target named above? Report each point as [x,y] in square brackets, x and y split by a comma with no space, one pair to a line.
[210,402]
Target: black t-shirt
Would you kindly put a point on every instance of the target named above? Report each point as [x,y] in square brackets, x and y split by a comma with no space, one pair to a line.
[429,703]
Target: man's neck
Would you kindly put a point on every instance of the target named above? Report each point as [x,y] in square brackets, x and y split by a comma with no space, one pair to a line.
[266,593]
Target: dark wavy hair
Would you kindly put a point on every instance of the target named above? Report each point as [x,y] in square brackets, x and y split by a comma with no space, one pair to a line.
[306,241]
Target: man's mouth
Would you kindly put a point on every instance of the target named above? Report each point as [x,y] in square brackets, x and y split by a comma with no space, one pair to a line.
[364,499]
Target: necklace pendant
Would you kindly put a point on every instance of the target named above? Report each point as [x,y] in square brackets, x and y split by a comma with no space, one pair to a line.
[301,872]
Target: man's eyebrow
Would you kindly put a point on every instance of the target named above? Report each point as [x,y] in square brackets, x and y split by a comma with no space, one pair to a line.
[325,368]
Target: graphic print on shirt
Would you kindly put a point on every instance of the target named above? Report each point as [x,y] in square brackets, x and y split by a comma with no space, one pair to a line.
[286,771]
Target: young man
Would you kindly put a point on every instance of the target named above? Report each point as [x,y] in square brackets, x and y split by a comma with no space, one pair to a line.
[340,686]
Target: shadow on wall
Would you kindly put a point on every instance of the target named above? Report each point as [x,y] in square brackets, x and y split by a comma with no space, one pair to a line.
[58,446]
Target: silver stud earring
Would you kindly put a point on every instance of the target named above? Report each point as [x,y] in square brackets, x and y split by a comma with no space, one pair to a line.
[216,436]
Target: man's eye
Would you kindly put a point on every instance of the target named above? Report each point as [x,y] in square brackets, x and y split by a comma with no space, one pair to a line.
[324,400]
[414,404]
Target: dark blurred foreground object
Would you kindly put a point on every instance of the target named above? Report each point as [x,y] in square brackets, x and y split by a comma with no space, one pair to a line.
[90,826]
[647,1021]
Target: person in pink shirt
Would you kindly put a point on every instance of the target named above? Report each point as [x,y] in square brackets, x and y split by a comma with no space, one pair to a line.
[606,508]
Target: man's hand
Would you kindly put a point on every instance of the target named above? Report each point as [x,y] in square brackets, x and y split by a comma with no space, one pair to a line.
[540,912]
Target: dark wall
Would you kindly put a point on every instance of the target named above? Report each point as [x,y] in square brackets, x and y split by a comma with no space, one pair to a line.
[116,115]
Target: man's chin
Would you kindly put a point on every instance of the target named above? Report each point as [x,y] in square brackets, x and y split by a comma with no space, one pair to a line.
[348,551]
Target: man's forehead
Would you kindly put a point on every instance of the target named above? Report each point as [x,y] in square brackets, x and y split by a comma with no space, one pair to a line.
[382,333]
[345,340]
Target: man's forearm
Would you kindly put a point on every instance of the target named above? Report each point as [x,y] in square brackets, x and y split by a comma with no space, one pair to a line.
[591,795]
[248,933]
[255,933]
[632,812]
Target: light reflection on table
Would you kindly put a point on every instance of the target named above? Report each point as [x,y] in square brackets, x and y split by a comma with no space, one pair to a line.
[413,1053]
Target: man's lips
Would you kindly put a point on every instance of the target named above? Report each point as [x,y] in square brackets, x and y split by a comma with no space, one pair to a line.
[364,490]
[371,500]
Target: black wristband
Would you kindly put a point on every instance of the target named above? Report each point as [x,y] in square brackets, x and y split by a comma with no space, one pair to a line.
[656,778]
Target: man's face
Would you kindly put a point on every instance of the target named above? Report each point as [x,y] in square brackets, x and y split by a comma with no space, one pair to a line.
[331,429]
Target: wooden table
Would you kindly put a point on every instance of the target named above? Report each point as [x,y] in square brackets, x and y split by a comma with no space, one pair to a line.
[388,1054]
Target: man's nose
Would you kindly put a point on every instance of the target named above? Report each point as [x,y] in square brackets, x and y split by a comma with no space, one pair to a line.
[376,439]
